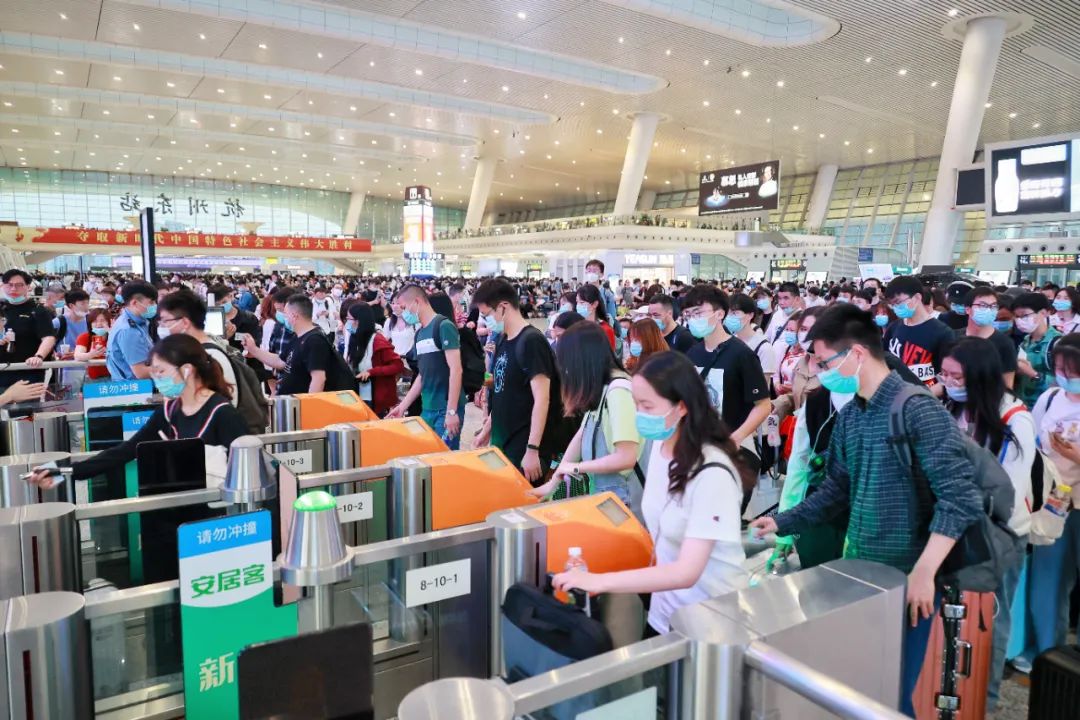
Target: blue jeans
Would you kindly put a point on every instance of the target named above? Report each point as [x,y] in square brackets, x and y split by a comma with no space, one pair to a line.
[436,420]
[1004,595]
[1053,574]
[915,641]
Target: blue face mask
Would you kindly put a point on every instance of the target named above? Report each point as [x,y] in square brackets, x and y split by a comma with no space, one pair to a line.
[100,331]
[227,307]
[904,310]
[1003,325]
[733,325]
[842,299]
[410,317]
[881,320]
[984,316]
[835,382]
[790,337]
[956,394]
[701,327]
[169,387]
[653,427]
[583,309]
[635,348]
[1069,385]
[280,319]
[15,300]
[565,307]
[58,305]
[1062,305]
[659,324]
[959,309]
[151,311]
[764,304]
[493,324]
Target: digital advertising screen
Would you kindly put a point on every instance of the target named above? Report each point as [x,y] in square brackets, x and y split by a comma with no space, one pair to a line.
[418,215]
[1034,180]
[739,189]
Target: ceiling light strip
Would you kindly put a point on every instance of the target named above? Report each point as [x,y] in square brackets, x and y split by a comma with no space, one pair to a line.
[206,107]
[384,31]
[161,61]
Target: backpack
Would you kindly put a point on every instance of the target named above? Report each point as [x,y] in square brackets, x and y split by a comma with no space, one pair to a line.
[250,401]
[473,362]
[988,547]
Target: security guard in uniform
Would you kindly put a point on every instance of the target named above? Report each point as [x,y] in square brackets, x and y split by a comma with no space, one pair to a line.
[127,354]
[31,325]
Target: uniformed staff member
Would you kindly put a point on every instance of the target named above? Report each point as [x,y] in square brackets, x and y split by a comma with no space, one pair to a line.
[32,328]
[128,353]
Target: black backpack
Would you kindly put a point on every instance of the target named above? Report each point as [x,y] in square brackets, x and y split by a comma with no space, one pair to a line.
[989,546]
[250,401]
[473,362]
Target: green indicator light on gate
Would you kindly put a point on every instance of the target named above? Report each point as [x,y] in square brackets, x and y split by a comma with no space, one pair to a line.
[317,500]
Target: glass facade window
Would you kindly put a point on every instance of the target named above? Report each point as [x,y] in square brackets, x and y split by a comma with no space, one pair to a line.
[382,221]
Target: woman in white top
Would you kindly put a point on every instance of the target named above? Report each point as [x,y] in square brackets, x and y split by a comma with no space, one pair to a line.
[1066,317]
[401,334]
[693,491]
[997,420]
[1054,568]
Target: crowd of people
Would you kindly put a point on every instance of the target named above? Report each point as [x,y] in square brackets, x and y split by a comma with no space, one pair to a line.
[675,397]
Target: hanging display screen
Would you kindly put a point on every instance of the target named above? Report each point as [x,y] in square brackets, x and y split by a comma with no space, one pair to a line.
[739,189]
[1036,180]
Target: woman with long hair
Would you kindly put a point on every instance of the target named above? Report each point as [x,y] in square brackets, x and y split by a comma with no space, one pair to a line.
[606,447]
[372,359]
[400,333]
[803,377]
[693,491]
[590,305]
[644,340]
[1066,317]
[793,352]
[997,420]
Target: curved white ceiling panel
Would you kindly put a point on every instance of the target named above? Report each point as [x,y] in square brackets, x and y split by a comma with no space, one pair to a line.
[765,23]
[99,52]
[251,112]
[361,27]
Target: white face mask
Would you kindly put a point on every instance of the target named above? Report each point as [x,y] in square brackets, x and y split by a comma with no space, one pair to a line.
[591,277]
[1027,324]
[163,332]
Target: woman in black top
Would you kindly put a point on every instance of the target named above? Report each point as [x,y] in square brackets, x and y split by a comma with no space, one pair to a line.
[196,405]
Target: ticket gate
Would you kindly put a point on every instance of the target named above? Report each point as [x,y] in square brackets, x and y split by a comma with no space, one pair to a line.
[380,441]
[15,491]
[311,411]
[35,428]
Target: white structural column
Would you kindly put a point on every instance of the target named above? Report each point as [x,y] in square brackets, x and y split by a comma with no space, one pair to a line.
[818,206]
[978,61]
[646,201]
[352,215]
[637,157]
[481,188]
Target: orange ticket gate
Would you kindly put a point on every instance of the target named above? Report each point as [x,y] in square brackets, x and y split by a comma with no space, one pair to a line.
[312,411]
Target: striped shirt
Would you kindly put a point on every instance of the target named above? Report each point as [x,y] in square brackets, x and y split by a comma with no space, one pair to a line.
[891,517]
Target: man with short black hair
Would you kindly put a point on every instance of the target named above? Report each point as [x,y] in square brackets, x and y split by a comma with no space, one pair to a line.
[184,313]
[438,355]
[128,351]
[731,370]
[788,301]
[76,308]
[594,274]
[662,312]
[917,339]
[325,311]
[32,328]
[1031,314]
[893,521]
[237,321]
[525,408]
[981,305]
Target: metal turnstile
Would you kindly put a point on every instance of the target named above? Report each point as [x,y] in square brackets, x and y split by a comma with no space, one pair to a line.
[15,491]
[34,432]
[40,550]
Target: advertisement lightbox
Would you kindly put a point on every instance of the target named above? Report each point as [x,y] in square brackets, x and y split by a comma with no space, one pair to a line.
[739,189]
[1037,179]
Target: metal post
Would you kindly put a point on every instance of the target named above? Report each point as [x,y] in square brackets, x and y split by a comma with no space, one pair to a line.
[285,413]
[712,679]
[458,698]
[343,453]
[519,555]
[322,603]
[50,548]
[406,512]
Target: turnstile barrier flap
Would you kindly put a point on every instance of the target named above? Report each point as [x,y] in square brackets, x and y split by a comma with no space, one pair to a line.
[15,491]
[40,550]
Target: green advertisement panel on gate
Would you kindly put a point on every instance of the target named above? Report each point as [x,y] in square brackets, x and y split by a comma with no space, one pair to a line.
[226,604]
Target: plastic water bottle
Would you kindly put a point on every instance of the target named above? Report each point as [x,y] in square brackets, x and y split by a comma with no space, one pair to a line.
[772,427]
[575,561]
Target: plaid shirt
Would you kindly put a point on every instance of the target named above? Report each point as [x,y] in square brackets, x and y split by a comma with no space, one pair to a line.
[891,520]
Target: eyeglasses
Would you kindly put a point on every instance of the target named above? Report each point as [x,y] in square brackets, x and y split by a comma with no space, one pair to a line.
[984,306]
[899,302]
[823,365]
[697,313]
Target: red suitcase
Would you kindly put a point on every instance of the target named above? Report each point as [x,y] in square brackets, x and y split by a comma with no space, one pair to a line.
[977,629]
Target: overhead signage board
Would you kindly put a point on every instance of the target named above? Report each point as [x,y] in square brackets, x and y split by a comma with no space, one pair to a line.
[1045,260]
[787,264]
[419,230]
[1034,180]
[739,189]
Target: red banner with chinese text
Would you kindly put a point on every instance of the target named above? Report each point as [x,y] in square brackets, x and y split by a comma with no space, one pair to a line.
[190,241]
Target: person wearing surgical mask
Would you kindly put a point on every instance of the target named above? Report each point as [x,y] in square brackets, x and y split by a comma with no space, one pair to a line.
[917,339]
[1066,317]
[740,322]
[128,354]
[1035,374]
[803,377]
[184,313]
[996,419]
[982,311]
[644,339]
[594,275]
[91,345]
[793,352]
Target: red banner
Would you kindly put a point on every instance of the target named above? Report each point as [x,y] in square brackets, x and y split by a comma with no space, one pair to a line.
[191,241]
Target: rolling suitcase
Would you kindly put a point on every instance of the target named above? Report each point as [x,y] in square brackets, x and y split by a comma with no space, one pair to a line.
[973,653]
[1055,684]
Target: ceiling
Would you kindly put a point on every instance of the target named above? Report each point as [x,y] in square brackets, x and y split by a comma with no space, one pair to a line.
[375,95]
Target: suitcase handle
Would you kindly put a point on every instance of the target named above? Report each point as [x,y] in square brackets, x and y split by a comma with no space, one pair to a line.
[963,658]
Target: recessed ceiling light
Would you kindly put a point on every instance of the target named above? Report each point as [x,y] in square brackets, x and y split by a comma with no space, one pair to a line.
[615,111]
[117,78]
[738,111]
[934,84]
[352,108]
[794,127]
[869,58]
[1012,115]
[58,72]
[371,63]
[374,142]
[545,96]
[821,136]
[262,46]
[418,71]
[393,114]
[505,88]
[92,153]
[1036,125]
[105,112]
[241,148]
[7,103]
[271,128]
[136,26]
[746,73]
[528,137]
[63,16]
[779,83]
[847,142]
[522,15]
[954,12]
[870,151]
[521,152]
[768,120]
[56,133]
[202,36]
[496,131]
[902,72]
[267,97]
[705,62]
[232,125]
[599,131]
[668,51]
[170,83]
[318,55]
[989,105]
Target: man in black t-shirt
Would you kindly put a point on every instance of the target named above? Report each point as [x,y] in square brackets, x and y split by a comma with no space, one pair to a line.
[982,309]
[662,312]
[526,412]
[31,326]
[312,364]
[918,340]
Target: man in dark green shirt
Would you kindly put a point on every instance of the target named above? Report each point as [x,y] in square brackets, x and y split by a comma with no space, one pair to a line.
[438,355]
[891,521]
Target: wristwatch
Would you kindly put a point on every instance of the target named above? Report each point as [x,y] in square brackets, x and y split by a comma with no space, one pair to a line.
[451,413]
